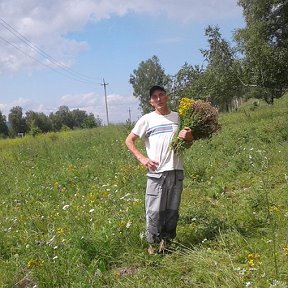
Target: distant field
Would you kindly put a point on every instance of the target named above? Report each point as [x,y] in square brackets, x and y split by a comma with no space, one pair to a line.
[72,209]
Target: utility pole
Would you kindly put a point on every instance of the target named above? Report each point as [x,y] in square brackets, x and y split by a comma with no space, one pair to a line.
[106,105]
[129,110]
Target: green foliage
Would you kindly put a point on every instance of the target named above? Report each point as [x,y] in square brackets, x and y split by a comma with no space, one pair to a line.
[218,81]
[222,83]
[72,209]
[187,82]
[38,120]
[264,43]
[35,130]
[3,126]
[17,121]
[256,67]
[91,122]
[148,74]
[73,119]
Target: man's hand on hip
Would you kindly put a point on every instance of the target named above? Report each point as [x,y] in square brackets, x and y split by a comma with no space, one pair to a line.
[148,163]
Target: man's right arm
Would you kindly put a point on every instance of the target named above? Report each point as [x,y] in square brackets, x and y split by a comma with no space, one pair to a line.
[130,143]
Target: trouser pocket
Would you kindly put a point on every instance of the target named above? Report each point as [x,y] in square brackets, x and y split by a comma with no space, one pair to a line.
[154,184]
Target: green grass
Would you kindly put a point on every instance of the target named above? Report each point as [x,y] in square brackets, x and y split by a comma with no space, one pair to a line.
[72,209]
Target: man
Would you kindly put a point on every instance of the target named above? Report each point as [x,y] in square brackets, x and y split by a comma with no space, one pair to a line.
[165,168]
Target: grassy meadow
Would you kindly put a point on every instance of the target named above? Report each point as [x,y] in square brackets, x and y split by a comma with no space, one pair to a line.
[72,209]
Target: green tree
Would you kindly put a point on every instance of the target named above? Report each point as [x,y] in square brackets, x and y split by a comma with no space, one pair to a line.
[62,117]
[38,121]
[83,120]
[186,83]
[218,81]
[148,73]
[79,117]
[264,43]
[55,122]
[3,126]
[16,121]
[91,122]
[222,81]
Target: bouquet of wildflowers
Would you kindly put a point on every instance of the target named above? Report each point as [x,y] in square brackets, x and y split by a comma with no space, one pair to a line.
[200,116]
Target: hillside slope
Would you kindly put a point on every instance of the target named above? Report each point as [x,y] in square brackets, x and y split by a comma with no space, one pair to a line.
[72,209]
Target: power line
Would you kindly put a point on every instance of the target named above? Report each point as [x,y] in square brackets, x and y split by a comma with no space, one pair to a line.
[27,42]
[76,75]
[35,59]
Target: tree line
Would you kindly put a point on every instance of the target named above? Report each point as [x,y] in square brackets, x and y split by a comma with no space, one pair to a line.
[255,66]
[38,122]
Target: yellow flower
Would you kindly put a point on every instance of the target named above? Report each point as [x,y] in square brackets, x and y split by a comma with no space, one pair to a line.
[59,231]
[274,209]
[34,262]
[253,259]
[184,106]
[285,249]
[71,168]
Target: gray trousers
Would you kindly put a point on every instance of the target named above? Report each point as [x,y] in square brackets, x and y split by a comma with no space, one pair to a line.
[163,196]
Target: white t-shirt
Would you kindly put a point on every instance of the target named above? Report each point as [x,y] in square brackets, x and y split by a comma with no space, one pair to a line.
[158,131]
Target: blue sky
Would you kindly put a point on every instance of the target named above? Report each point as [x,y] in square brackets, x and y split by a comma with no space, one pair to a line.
[100,39]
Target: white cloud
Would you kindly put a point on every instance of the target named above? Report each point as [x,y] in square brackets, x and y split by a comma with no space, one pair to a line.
[26,104]
[81,100]
[47,23]
[4,109]
[118,106]
[186,10]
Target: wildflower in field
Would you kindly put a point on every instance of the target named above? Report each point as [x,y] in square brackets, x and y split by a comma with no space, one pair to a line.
[274,209]
[285,249]
[121,224]
[34,263]
[200,116]
[59,231]
[71,168]
[105,194]
[91,210]
[253,259]
[56,184]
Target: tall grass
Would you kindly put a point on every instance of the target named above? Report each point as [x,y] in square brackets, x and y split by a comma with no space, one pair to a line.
[72,209]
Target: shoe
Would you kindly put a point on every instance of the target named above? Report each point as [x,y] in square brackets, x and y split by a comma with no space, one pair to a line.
[161,246]
[165,246]
[151,250]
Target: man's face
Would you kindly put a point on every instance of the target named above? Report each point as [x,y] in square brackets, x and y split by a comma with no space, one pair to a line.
[159,100]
